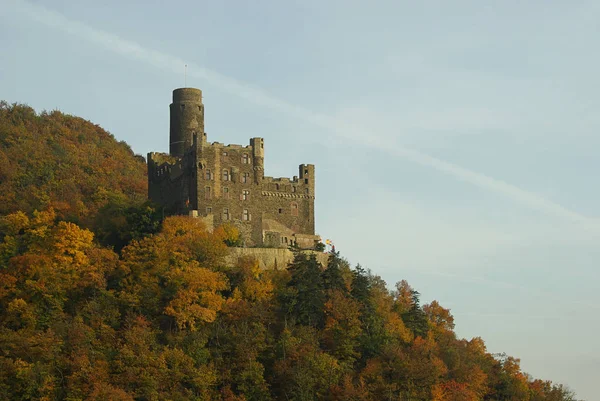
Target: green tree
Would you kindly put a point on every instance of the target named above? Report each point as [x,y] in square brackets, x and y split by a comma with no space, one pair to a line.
[306,297]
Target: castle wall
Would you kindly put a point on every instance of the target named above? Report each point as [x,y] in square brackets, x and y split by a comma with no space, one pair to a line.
[270,258]
[167,183]
[227,187]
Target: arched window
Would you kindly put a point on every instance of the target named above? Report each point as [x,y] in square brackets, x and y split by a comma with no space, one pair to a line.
[294,207]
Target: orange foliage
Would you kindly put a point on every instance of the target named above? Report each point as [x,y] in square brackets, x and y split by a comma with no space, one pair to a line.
[57,160]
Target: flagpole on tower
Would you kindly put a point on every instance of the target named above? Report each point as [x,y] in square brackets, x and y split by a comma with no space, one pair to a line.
[185,77]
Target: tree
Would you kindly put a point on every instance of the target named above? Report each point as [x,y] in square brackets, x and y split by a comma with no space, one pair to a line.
[306,298]
[333,278]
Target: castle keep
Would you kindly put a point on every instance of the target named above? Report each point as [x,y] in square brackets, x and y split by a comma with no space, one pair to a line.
[226,183]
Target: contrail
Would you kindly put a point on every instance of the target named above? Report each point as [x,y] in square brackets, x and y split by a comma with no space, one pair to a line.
[341,129]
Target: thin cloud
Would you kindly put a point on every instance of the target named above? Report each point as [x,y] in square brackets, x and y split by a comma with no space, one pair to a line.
[343,130]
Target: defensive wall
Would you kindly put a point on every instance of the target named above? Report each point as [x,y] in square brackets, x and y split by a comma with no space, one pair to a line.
[270,258]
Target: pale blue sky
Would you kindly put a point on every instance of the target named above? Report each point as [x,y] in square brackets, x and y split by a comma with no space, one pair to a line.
[455,141]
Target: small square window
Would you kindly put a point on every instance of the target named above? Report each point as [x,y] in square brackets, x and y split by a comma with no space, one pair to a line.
[209,210]
[305,171]
[306,180]
[280,210]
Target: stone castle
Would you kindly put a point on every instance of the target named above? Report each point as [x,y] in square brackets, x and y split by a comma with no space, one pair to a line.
[226,183]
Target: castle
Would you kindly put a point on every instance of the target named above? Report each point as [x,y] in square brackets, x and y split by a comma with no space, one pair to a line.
[226,183]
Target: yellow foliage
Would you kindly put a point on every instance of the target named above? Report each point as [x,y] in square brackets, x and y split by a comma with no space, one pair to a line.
[228,233]
[196,300]
[13,223]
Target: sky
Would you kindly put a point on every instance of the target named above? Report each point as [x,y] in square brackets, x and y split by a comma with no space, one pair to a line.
[455,143]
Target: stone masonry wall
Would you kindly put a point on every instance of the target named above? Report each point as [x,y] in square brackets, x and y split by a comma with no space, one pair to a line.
[269,258]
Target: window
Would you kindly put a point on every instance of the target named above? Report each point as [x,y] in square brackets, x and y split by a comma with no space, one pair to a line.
[209,210]
[306,180]
[294,207]
[225,193]
[208,175]
[305,171]
[293,188]
[246,215]
[207,193]
[245,158]
[246,178]
[245,194]
[225,175]
[224,154]
[225,214]
[277,187]
[280,210]
[306,190]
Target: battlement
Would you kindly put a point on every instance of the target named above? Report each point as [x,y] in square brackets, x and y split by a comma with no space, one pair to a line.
[187,95]
[230,146]
[163,165]
[162,158]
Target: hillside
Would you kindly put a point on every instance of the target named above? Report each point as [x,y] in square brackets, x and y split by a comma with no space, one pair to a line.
[68,163]
[153,312]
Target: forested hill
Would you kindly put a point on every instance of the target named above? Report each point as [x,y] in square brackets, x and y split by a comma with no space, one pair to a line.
[62,161]
[142,309]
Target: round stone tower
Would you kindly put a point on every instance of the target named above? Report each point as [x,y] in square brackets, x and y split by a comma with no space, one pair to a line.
[187,119]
